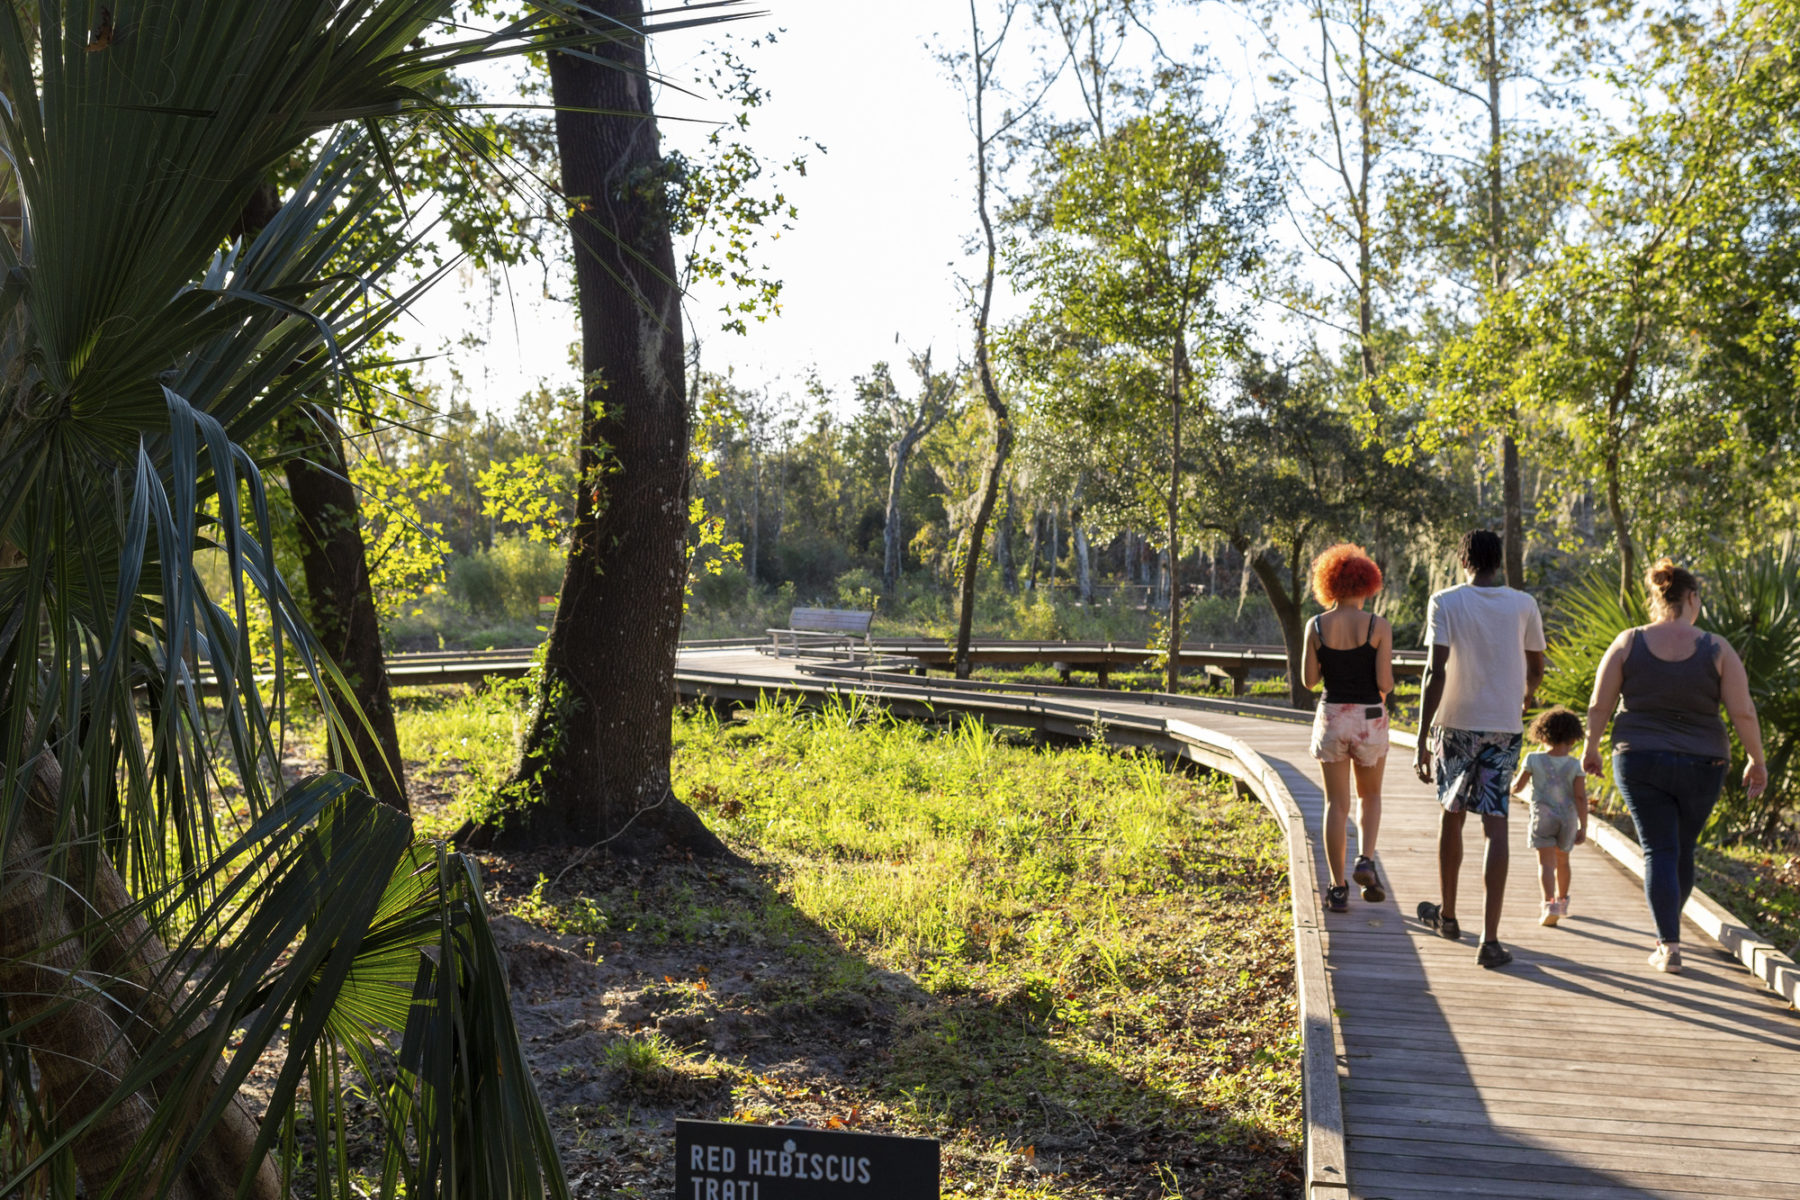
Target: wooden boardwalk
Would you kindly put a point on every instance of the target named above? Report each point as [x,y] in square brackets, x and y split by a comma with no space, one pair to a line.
[1576,1073]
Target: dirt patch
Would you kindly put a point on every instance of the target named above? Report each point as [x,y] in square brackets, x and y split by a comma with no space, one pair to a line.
[628,1029]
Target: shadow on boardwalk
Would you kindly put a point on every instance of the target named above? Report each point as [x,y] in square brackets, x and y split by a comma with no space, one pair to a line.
[1574,1074]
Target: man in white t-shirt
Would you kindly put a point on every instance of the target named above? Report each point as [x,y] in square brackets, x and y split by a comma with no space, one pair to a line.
[1486,645]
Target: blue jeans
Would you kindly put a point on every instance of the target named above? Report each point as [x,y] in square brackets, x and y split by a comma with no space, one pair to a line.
[1670,797]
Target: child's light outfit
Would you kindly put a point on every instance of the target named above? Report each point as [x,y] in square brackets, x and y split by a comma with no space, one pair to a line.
[1552,796]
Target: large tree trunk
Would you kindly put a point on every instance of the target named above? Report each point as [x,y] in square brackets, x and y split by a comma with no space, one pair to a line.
[1172,664]
[340,602]
[595,760]
[1293,632]
[1512,514]
[68,981]
[998,414]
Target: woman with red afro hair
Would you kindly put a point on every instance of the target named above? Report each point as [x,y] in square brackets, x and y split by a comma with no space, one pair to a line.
[1352,652]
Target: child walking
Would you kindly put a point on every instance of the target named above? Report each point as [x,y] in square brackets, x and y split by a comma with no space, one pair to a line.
[1559,805]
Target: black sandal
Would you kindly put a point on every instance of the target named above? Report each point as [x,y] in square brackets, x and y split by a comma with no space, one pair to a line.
[1432,917]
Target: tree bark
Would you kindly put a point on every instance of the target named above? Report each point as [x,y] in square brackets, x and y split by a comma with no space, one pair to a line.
[1365,306]
[755,508]
[1172,663]
[1293,633]
[1512,515]
[1003,546]
[899,452]
[1032,550]
[1078,550]
[68,980]
[340,601]
[595,759]
[1615,499]
[998,414]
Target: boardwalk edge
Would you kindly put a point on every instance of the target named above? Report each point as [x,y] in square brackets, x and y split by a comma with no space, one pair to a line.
[1327,1167]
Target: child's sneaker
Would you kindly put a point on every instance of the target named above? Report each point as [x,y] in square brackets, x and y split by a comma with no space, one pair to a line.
[1337,899]
[1667,957]
[1551,912]
[1492,954]
[1562,906]
[1368,879]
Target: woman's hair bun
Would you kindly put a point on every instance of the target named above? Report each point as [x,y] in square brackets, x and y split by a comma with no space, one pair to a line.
[1669,585]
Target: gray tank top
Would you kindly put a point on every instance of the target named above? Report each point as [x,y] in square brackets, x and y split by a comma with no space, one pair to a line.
[1671,706]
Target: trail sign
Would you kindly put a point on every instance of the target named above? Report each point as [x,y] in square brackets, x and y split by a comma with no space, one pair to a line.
[718,1160]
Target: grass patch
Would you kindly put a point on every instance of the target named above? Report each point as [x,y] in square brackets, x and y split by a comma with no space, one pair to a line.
[1760,886]
[1073,967]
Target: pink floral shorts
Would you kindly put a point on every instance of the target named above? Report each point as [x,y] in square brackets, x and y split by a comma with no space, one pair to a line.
[1353,731]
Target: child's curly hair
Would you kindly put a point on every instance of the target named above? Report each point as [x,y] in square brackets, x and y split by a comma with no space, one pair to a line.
[1558,726]
[1344,572]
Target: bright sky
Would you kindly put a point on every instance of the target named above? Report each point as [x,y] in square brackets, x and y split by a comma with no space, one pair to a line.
[886,212]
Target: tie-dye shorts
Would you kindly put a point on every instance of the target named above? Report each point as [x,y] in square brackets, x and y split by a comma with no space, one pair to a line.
[1343,731]
[1474,769]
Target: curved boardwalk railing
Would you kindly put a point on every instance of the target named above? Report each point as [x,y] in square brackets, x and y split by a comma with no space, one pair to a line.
[1576,1072]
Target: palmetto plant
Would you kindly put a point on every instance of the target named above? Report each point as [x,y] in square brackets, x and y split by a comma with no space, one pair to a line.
[151,948]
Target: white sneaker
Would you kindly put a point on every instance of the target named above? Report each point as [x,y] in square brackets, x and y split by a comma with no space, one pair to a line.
[1562,906]
[1549,914]
[1667,957]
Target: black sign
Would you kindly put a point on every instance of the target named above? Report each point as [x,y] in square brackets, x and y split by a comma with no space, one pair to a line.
[715,1160]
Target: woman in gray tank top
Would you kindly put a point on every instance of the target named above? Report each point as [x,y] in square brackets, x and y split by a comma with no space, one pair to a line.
[1666,681]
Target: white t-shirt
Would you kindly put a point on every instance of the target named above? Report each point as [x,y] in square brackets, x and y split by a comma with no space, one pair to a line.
[1488,630]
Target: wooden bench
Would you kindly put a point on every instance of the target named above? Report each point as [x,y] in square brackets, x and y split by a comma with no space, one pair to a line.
[814,629]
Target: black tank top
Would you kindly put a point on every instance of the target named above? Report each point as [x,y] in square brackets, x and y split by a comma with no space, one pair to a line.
[1349,674]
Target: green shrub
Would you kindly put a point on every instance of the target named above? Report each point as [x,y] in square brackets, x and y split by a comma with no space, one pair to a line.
[857,588]
[505,582]
[811,562]
[729,586]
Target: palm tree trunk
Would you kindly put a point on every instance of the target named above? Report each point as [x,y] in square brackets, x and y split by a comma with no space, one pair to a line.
[67,980]
[595,758]
[341,603]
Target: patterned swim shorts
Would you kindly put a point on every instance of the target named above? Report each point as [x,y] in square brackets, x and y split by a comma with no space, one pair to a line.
[1474,769]
[1343,731]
